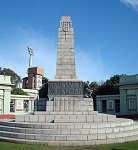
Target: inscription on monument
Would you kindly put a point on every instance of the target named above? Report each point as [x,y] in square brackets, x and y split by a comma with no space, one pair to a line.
[65,88]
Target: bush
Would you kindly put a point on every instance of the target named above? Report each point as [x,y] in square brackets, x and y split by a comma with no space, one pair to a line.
[18,91]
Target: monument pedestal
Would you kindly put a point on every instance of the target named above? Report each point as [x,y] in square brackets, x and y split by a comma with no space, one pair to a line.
[67,95]
[68,88]
[74,103]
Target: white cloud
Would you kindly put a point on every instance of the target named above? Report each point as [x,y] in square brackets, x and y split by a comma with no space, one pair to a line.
[89,65]
[131,3]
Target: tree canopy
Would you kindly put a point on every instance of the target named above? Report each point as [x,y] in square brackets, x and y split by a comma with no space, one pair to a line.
[109,87]
[17,91]
[43,92]
[15,79]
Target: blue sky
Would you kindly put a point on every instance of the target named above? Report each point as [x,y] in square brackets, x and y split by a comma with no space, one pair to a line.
[106,35]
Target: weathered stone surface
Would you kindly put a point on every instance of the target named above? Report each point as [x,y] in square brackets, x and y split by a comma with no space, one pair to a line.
[67,88]
[69,105]
[20,118]
[65,68]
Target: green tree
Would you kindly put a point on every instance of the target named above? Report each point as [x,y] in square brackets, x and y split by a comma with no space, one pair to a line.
[114,80]
[43,92]
[15,79]
[18,91]
[109,87]
[94,86]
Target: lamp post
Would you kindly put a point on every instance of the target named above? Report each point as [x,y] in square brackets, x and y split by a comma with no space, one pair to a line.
[31,53]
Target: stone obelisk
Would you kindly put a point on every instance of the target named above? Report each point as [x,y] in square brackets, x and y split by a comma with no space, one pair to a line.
[65,68]
[66,91]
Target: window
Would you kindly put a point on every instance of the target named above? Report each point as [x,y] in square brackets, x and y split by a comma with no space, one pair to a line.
[26,105]
[117,105]
[110,105]
[104,106]
[132,104]
[12,105]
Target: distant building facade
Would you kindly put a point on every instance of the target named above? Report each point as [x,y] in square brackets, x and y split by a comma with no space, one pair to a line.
[129,94]
[126,103]
[108,104]
[34,79]
[15,104]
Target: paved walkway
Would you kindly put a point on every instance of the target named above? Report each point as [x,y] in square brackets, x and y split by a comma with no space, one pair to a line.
[7,116]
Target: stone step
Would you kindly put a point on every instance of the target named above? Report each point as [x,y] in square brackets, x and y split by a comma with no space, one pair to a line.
[68,137]
[84,118]
[79,129]
[71,143]
[69,134]
[66,118]
[66,113]
[119,123]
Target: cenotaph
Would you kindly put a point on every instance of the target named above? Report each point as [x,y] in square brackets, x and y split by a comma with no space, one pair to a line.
[66,90]
[69,119]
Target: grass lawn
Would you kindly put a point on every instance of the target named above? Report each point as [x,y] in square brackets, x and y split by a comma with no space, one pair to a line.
[121,146]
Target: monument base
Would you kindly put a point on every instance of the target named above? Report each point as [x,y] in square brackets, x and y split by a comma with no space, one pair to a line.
[67,95]
[68,129]
[65,88]
[69,120]
[74,103]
